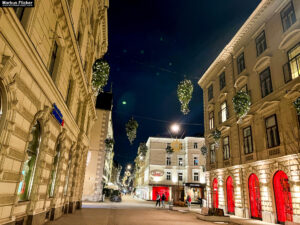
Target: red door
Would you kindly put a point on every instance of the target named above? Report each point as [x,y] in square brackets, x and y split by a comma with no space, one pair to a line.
[283,197]
[160,191]
[215,194]
[230,195]
[254,194]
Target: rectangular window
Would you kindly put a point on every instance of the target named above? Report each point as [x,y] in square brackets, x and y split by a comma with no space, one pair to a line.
[195,145]
[266,82]
[210,92]
[261,44]
[180,161]
[226,150]
[212,153]
[272,132]
[211,120]
[247,134]
[68,96]
[168,162]
[222,80]
[196,176]
[292,68]
[241,63]
[53,58]
[180,176]
[168,176]
[288,17]
[196,161]
[223,116]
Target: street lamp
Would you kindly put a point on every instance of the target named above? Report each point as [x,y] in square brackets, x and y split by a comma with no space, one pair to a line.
[129,167]
[175,128]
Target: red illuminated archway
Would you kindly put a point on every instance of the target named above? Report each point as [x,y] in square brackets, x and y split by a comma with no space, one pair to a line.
[230,195]
[254,195]
[215,193]
[283,197]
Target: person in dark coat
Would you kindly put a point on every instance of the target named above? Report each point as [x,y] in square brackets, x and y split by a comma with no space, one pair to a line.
[157,200]
[163,199]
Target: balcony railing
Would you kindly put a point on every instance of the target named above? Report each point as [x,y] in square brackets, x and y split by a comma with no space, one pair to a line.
[291,69]
[223,115]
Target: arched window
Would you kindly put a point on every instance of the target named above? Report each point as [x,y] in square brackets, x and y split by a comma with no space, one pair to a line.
[254,194]
[29,166]
[215,194]
[54,170]
[283,198]
[68,173]
[230,195]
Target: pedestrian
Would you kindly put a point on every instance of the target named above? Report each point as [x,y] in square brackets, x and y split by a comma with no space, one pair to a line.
[188,201]
[200,201]
[163,199]
[157,200]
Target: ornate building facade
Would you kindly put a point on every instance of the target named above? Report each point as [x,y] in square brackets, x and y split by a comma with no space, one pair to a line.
[47,105]
[253,169]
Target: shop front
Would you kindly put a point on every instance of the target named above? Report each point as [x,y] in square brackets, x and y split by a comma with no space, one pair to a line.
[160,190]
[195,190]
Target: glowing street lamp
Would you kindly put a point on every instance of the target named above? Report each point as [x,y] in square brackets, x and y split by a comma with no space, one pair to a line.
[129,167]
[175,128]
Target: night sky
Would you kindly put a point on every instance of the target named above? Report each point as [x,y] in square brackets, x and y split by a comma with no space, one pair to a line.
[153,45]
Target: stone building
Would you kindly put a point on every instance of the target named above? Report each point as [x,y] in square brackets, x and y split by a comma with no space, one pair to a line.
[99,159]
[177,174]
[47,105]
[253,170]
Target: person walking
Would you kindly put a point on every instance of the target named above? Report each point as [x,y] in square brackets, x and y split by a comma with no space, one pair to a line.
[189,200]
[157,200]
[200,201]
[163,199]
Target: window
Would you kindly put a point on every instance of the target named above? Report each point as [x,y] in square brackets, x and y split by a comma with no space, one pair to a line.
[288,17]
[168,176]
[196,161]
[211,120]
[224,112]
[53,58]
[29,166]
[212,153]
[226,150]
[195,145]
[210,92]
[222,80]
[196,176]
[241,63]
[19,12]
[180,161]
[168,162]
[180,176]
[54,171]
[292,68]
[261,44]
[266,82]
[168,144]
[68,173]
[68,96]
[272,132]
[247,134]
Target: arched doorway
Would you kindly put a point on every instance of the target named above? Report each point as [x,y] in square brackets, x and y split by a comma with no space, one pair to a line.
[215,194]
[283,199]
[230,195]
[254,195]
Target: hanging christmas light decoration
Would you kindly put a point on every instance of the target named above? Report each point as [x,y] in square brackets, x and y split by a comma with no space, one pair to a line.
[169,149]
[204,150]
[241,103]
[109,143]
[297,105]
[143,149]
[216,134]
[184,93]
[100,77]
[131,128]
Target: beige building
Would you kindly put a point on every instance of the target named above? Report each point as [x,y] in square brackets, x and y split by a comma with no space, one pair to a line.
[177,174]
[254,169]
[99,160]
[47,105]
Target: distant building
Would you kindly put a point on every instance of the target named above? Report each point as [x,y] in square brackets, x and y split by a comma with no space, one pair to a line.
[175,174]
[99,159]
[253,170]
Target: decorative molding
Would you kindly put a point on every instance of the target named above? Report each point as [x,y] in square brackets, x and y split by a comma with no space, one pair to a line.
[290,40]
[222,97]
[294,92]
[262,63]
[267,106]
[241,81]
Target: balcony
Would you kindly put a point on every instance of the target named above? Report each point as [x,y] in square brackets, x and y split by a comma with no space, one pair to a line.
[291,70]
[223,115]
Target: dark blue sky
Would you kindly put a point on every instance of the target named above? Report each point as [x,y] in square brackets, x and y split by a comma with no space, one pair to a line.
[153,44]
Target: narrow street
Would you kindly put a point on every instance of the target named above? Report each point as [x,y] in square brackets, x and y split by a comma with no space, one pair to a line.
[128,212]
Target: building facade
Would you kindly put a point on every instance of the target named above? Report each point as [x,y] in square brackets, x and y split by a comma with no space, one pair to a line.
[47,105]
[99,158]
[177,174]
[253,169]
